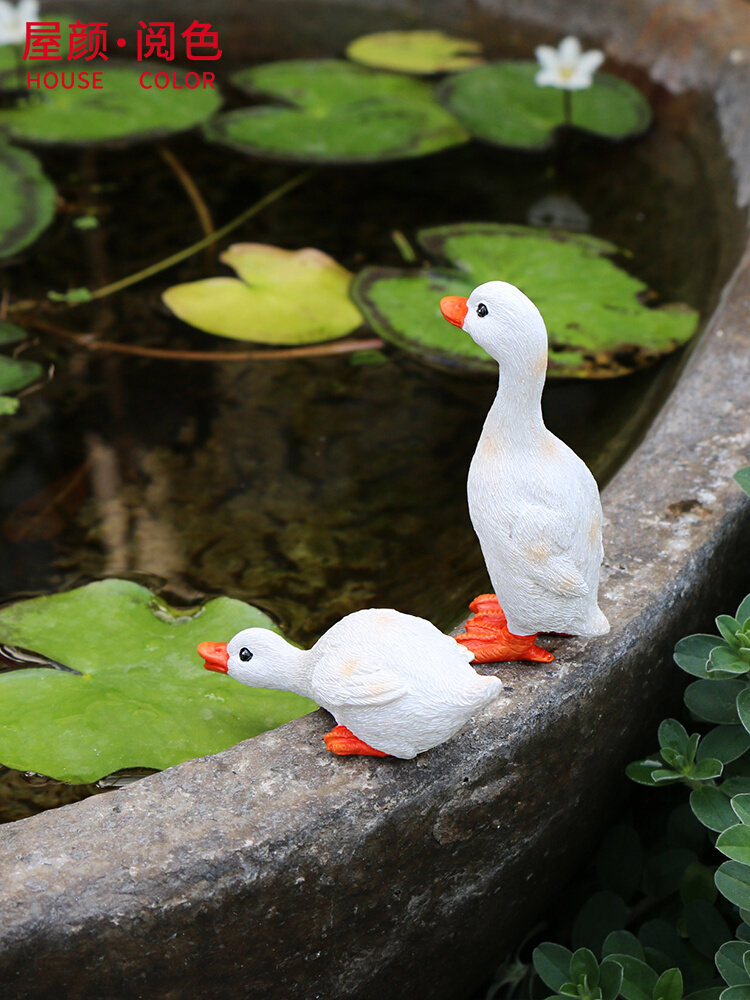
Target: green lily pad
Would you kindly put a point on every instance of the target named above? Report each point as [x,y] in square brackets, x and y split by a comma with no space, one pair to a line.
[598,327]
[27,205]
[142,697]
[335,113]
[420,52]
[500,103]
[122,111]
[280,297]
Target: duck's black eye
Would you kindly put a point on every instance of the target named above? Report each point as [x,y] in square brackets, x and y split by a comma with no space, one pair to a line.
[245,654]
[482,310]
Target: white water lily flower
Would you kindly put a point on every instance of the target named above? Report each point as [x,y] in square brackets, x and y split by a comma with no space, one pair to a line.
[567,67]
[13,18]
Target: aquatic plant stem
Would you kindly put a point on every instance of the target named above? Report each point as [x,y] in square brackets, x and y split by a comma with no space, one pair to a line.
[87,341]
[192,190]
[176,258]
[116,286]
[567,107]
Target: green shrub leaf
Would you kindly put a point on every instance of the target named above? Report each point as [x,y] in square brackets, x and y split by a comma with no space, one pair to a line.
[735,843]
[696,883]
[741,806]
[691,653]
[668,986]
[736,993]
[641,771]
[666,777]
[729,962]
[743,706]
[712,808]
[500,103]
[715,701]
[662,937]
[610,980]
[623,943]
[664,871]
[673,734]
[743,611]
[728,626]
[335,112]
[736,785]
[707,769]
[279,297]
[586,337]
[705,926]
[725,743]
[727,660]
[733,882]
[552,963]
[638,980]
[742,478]
[142,698]
[584,966]
[600,914]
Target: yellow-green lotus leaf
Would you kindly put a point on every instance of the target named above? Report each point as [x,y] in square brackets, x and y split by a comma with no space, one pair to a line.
[419,52]
[280,297]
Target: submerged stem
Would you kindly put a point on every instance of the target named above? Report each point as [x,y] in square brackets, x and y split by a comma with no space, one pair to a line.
[194,248]
[190,188]
[87,341]
[176,258]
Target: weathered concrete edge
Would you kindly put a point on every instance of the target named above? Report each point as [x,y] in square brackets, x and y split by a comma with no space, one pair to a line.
[276,870]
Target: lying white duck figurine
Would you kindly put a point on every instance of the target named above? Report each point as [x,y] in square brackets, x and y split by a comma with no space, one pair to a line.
[395,684]
[534,504]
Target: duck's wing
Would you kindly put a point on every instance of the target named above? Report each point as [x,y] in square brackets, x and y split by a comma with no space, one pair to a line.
[544,536]
[356,681]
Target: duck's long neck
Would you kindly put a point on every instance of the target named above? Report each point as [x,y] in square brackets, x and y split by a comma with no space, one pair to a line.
[290,670]
[515,416]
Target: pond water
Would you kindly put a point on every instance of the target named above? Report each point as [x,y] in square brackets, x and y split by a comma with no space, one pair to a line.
[315,487]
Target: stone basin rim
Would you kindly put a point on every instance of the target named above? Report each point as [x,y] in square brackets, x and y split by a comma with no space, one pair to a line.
[274,869]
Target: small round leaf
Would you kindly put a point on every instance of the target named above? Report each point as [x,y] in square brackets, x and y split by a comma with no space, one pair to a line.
[419,52]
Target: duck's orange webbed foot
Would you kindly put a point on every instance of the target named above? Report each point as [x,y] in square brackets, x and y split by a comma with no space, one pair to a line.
[343,742]
[486,635]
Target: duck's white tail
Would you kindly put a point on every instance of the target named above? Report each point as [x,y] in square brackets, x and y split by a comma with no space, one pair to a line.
[597,625]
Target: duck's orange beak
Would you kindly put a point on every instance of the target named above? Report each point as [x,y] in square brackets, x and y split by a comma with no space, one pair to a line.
[216,656]
[454,309]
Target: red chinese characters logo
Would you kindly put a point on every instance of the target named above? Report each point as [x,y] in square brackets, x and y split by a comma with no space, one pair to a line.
[198,37]
[87,41]
[158,41]
[155,40]
[42,40]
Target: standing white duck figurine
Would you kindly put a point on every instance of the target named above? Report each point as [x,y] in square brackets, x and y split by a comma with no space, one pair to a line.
[395,684]
[534,504]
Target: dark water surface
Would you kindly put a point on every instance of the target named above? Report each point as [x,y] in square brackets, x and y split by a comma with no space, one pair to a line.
[313,488]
